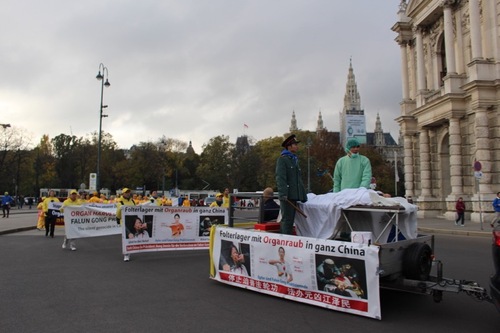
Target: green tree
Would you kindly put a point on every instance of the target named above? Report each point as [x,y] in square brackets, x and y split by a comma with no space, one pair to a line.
[382,170]
[267,151]
[64,152]
[14,154]
[216,162]
[45,165]
[244,167]
[145,165]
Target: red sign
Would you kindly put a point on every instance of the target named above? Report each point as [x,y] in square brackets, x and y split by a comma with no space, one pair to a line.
[477,166]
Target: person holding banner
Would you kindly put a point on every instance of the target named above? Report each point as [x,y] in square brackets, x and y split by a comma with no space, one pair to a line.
[124,200]
[225,198]
[289,181]
[95,198]
[219,201]
[284,271]
[154,200]
[50,218]
[73,200]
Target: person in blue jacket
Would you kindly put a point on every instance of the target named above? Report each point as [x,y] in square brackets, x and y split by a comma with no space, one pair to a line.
[353,170]
[7,200]
[496,207]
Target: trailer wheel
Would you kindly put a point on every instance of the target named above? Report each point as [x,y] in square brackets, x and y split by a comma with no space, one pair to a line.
[437,295]
[417,261]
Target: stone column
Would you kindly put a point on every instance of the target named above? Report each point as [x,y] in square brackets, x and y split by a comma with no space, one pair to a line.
[425,164]
[408,165]
[412,71]
[449,38]
[404,71]
[475,30]
[436,75]
[460,64]
[483,154]
[420,60]
[455,158]
[493,13]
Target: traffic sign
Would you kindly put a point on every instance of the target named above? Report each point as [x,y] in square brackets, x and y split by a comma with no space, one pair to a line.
[477,166]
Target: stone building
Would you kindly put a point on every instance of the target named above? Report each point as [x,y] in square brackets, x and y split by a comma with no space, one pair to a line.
[449,110]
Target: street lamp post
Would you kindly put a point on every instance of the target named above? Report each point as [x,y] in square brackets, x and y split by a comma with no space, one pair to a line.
[104,83]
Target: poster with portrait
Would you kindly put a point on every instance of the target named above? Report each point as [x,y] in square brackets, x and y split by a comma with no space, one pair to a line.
[163,228]
[336,275]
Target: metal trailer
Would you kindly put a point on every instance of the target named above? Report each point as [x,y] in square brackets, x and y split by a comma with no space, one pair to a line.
[404,264]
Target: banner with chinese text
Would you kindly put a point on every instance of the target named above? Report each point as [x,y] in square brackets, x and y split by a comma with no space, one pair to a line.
[337,275]
[161,228]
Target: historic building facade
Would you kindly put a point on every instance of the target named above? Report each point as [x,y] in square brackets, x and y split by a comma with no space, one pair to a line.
[450,53]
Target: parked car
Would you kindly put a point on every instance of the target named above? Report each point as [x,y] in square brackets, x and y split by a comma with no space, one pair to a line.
[495,278]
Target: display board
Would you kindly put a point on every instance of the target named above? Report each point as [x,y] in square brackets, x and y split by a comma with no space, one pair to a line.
[336,275]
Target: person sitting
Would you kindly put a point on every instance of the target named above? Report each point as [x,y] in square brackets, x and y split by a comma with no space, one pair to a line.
[271,208]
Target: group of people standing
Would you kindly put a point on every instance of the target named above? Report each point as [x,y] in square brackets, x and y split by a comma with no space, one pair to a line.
[351,171]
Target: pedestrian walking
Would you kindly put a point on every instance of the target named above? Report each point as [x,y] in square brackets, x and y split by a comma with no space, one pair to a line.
[496,207]
[460,208]
[50,217]
[7,200]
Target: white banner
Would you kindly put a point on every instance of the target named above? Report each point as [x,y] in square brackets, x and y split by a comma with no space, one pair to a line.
[91,220]
[161,228]
[336,275]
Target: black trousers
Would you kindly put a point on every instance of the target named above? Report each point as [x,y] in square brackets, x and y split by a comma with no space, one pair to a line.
[50,225]
[5,209]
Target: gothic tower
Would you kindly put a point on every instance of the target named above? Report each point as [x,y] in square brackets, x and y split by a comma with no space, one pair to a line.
[320,125]
[352,118]
[378,134]
[293,125]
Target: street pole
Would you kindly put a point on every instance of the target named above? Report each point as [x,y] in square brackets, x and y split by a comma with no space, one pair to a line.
[106,83]
[396,176]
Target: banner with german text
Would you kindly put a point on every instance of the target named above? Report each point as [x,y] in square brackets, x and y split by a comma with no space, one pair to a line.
[336,275]
[91,220]
[161,228]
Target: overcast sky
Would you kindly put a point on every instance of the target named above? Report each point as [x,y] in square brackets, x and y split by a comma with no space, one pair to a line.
[195,69]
